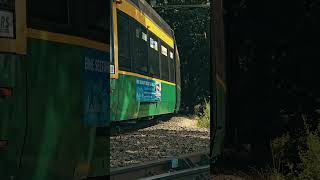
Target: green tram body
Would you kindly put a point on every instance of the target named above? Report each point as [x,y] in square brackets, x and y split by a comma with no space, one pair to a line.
[133,19]
[42,132]
[128,108]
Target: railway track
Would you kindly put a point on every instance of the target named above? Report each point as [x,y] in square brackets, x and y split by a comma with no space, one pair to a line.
[191,166]
[128,126]
[171,137]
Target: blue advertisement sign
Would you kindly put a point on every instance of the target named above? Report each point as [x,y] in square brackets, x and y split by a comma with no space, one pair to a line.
[96,88]
[148,90]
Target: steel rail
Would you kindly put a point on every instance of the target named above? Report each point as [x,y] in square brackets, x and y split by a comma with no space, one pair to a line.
[175,166]
[197,173]
[128,126]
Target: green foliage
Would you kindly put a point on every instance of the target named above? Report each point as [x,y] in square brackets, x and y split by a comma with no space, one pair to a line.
[261,174]
[306,147]
[202,114]
[310,157]
[276,175]
[192,32]
[278,148]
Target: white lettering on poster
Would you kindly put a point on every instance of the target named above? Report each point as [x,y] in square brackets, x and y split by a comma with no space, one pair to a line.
[95,65]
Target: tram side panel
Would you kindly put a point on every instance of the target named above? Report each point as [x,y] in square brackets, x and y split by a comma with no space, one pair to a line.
[47,127]
[12,112]
[13,97]
[128,107]
[56,133]
[137,72]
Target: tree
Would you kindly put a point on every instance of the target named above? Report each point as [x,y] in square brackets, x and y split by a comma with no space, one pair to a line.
[191,27]
[272,64]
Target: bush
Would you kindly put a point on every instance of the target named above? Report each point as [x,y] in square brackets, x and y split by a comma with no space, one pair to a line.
[310,156]
[202,114]
[279,147]
[306,148]
[276,175]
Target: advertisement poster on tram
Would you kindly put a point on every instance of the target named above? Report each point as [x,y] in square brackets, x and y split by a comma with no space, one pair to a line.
[148,90]
[95,85]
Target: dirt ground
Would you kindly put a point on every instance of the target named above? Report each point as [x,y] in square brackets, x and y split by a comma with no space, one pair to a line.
[175,137]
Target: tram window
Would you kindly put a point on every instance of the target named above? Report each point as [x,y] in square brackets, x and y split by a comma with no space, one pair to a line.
[123,43]
[139,50]
[153,44]
[164,51]
[98,19]
[55,11]
[112,70]
[98,12]
[144,36]
[172,67]
[138,33]
[153,57]
[171,55]
[164,63]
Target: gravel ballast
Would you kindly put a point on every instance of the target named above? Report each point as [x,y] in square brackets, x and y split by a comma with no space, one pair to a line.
[175,137]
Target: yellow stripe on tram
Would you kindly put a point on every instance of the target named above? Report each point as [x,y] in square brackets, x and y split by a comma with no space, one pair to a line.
[135,13]
[146,77]
[67,39]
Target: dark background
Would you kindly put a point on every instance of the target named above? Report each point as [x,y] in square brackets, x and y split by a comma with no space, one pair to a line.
[192,30]
[272,55]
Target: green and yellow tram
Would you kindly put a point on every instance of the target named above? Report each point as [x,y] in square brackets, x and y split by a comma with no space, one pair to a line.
[65,67]
[145,71]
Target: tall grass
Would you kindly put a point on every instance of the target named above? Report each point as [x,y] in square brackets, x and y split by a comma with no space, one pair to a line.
[306,148]
[279,148]
[202,114]
[310,156]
